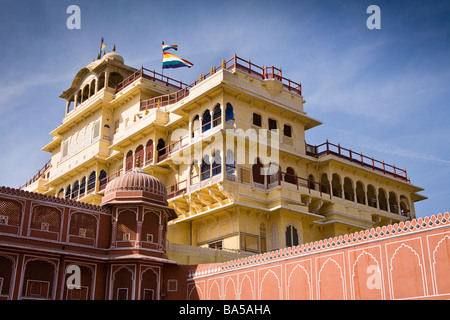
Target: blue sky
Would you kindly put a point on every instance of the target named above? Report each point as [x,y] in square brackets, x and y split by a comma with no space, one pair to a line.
[383,92]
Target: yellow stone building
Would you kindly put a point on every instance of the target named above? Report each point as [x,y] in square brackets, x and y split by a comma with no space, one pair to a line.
[231,150]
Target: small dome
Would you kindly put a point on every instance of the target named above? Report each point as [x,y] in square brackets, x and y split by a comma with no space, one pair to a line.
[113,56]
[135,185]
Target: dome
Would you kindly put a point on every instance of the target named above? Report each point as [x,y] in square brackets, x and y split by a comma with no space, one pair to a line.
[113,56]
[136,186]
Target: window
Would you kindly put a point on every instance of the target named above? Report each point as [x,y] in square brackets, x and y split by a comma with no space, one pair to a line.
[291,236]
[126,236]
[215,245]
[216,166]
[290,176]
[65,149]
[287,130]
[257,120]
[83,186]
[272,124]
[217,114]
[172,285]
[122,294]
[96,130]
[44,226]
[149,237]
[249,243]
[149,294]
[3,220]
[229,114]
[91,181]
[82,232]
[206,167]
[206,121]
[116,125]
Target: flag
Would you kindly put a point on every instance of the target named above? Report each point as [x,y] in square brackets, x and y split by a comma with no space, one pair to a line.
[166,47]
[172,61]
[103,47]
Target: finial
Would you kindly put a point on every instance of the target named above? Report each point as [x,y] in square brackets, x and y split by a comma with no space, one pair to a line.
[224,64]
[98,56]
[114,47]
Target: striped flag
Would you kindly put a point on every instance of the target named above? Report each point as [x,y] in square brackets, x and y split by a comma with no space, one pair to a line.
[172,61]
[166,47]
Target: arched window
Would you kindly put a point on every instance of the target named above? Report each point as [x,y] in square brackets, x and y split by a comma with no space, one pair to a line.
[114,79]
[60,193]
[393,203]
[311,182]
[92,88]
[195,126]
[257,173]
[324,183]
[404,206]
[217,115]
[360,195]
[162,150]
[129,161]
[101,81]
[85,92]
[216,165]
[371,196]
[68,192]
[139,156]
[103,179]
[76,189]
[83,186]
[230,164]
[349,194]
[206,121]
[382,200]
[291,236]
[205,168]
[91,181]
[149,151]
[336,185]
[229,114]
[289,177]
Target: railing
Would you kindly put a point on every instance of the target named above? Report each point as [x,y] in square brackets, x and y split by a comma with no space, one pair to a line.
[176,189]
[328,148]
[37,175]
[103,182]
[234,63]
[151,75]
[163,153]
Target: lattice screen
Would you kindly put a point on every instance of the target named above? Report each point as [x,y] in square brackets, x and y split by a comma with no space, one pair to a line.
[127,224]
[44,214]
[11,209]
[83,221]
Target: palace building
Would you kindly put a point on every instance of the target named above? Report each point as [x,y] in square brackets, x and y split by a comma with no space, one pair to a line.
[230,147]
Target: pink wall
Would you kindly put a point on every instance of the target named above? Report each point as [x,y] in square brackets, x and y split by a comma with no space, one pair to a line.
[409,260]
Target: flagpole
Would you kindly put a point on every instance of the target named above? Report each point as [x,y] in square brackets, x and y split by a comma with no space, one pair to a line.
[101,44]
[162,66]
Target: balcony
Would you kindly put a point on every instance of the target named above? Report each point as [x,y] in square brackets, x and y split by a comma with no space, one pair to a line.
[265,73]
[150,75]
[328,148]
